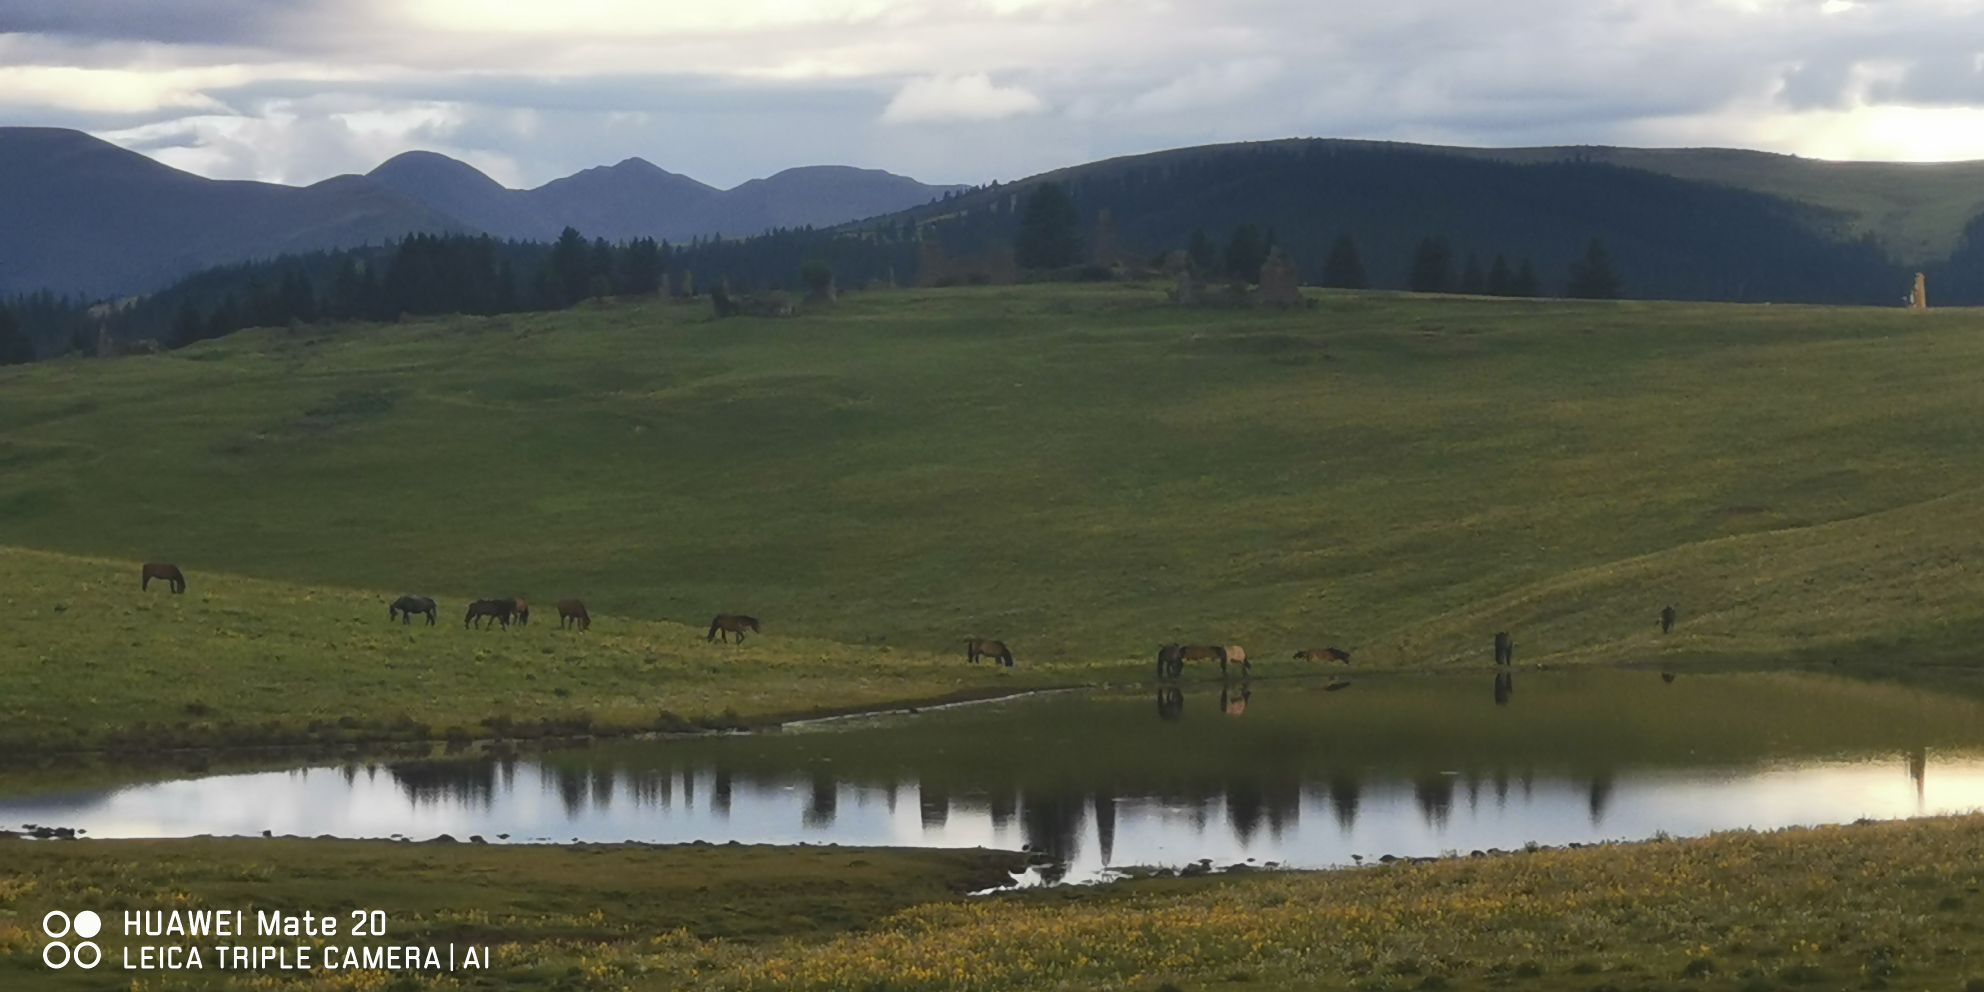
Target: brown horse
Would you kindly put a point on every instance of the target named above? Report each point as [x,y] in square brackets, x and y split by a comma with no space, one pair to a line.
[1323,654]
[499,610]
[164,572]
[405,607]
[978,647]
[1199,652]
[572,613]
[520,610]
[726,624]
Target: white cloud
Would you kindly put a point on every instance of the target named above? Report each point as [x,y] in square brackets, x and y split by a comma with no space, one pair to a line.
[972,97]
[1208,86]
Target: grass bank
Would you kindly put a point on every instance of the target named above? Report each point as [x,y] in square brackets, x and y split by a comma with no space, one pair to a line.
[1886,905]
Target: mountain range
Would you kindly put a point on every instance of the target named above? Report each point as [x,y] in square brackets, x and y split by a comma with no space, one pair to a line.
[81,216]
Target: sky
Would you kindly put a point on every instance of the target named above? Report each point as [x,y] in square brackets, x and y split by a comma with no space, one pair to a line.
[970,91]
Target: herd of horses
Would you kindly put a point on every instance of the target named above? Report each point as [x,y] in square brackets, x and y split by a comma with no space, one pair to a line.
[572,615]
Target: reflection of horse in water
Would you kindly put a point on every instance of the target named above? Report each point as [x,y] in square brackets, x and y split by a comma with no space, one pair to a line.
[1505,686]
[979,647]
[1235,705]
[1170,703]
[1324,654]
[725,624]
[1666,619]
[403,609]
[165,572]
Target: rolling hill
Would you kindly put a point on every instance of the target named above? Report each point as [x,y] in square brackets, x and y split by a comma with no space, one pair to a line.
[1086,471]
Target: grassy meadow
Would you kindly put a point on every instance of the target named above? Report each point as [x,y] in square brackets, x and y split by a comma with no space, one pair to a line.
[1870,906]
[1083,471]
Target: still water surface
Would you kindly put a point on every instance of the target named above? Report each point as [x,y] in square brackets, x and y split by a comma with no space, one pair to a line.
[1277,772]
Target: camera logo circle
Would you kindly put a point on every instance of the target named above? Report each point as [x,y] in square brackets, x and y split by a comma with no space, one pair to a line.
[58,953]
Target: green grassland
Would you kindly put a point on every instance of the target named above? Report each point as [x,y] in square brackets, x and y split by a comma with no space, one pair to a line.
[240,662]
[1889,905]
[1083,471]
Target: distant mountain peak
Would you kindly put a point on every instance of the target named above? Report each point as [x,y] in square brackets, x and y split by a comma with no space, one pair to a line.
[419,166]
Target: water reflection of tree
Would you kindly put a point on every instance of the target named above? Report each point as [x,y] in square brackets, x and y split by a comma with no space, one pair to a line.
[822,800]
[1345,791]
[935,806]
[720,791]
[465,783]
[1434,794]
[1105,825]
[1600,796]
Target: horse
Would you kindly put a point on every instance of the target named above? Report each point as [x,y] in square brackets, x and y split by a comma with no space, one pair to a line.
[405,607]
[1238,656]
[1323,654]
[499,610]
[1200,652]
[1667,677]
[164,572]
[521,610]
[1168,663]
[726,624]
[572,613]
[1666,619]
[1505,648]
[977,647]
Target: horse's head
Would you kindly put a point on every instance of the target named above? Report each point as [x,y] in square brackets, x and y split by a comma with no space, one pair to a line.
[752,622]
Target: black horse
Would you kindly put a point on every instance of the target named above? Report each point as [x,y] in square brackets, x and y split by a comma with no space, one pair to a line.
[1505,648]
[405,607]
[1666,619]
[165,572]
[499,610]
[1169,664]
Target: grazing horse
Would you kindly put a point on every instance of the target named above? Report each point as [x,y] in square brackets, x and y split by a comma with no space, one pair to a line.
[405,607]
[572,613]
[520,610]
[164,572]
[1202,652]
[1323,654]
[499,610]
[1666,619]
[1505,648]
[978,647]
[1667,677]
[726,624]
[1235,654]
[1168,663]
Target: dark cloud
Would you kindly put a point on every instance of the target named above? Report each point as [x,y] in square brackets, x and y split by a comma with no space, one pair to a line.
[199,22]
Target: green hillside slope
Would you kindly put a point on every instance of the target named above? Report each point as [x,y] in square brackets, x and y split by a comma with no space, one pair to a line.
[1084,471]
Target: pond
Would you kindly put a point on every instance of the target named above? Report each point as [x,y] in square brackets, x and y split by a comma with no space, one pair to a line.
[1296,774]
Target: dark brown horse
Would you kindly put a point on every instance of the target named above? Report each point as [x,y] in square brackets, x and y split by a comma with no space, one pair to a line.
[1168,663]
[499,610]
[1200,652]
[726,624]
[1666,619]
[405,607]
[978,647]
[1323,654]
[572,613]
[164,572]
[1505,648]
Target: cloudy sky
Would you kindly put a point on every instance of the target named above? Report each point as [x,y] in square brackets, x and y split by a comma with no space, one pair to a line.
[975,90]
